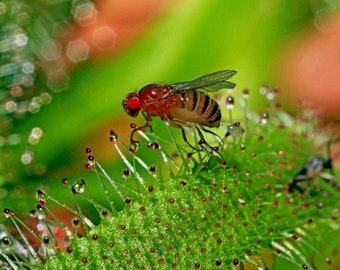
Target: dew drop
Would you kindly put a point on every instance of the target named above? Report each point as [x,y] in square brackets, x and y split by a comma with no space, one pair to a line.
[6,241]
[126,173]
[8,213]
[89,166]
[40,212]
[78,187]
[90,162]
[218,262]
[264,118]
[42,197]
[152,169]
[75,222]
[230,102]
[32,214]
[235,130]
[155,146]
[242,148]
[183,183]
[88,151]
[216,151]
[113,136]
[46,240]
[171,201]
[64,181]
[223,163]
[320,205]
[128,201]
[245,93]
[235,262]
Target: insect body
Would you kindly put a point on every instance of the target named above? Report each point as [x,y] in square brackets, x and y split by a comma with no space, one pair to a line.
[180,104]
[313,168]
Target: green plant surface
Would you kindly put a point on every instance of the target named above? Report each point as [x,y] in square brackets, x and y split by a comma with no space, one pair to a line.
[212,211]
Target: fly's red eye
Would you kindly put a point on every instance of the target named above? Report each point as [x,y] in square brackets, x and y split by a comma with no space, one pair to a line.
[133,104]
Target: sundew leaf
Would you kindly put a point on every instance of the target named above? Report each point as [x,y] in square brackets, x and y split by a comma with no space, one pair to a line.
[203,210]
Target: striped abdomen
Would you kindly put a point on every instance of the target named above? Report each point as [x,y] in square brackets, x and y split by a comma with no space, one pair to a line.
[192,106]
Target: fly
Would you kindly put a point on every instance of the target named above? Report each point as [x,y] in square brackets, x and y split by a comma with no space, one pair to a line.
[180,104]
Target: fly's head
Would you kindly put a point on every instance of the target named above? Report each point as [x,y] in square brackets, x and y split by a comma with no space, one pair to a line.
[132,104]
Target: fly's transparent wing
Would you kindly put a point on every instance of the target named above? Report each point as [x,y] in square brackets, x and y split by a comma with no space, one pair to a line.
[211,82]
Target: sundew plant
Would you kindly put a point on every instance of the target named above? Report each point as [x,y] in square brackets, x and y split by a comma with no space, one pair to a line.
[228,206]
[261,191]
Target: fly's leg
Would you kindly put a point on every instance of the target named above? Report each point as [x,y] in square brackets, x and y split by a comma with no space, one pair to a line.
[187,142]
[203,142]
[211,132]
[148,119]
[134,143]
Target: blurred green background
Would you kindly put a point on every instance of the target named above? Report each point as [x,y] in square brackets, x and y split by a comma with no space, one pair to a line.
[181,40]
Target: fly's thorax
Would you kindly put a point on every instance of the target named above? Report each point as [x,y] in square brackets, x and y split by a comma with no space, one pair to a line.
[153,98]
[152,92]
